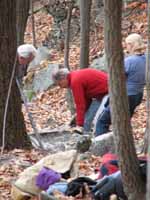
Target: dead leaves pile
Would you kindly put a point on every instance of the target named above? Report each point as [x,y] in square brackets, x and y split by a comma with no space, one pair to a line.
[49,110]
[11,165]
[43,23]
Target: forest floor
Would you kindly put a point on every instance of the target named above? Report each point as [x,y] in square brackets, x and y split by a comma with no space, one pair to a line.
[52,103]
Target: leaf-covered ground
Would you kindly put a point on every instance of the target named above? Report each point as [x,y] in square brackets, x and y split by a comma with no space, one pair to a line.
[50,108]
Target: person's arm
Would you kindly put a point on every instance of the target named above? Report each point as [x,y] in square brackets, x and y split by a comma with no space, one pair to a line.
[80,102]
[109,185]
[21,72]
[127,64]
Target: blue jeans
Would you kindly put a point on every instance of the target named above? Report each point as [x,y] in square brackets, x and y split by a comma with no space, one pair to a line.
[104,120]
[89,115]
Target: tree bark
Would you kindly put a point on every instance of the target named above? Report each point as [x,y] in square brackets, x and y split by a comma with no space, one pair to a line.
[85,8]
[133,185]
[22,12]
[67,36]
[15,132]
[33,23]
[147,134]
[66,56]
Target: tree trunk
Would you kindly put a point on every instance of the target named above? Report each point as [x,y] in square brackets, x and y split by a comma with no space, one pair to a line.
[98,3]
[85,8]
[67,36]
[22,12]
[33,23]
[66,56]
[133,185]
[15,133]
[148,102]
[147,130]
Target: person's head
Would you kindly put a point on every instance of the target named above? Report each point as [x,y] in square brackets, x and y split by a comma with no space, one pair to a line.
[60,77]
[26,53]
[134,44]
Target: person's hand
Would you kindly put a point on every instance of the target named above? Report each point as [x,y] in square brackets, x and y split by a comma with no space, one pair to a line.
[73,121]
[28,78]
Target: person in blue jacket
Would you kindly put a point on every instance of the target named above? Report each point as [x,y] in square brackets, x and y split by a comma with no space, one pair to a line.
[134,65]
[113,184]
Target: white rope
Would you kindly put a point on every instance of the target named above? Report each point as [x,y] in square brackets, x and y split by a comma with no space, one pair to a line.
[6,105]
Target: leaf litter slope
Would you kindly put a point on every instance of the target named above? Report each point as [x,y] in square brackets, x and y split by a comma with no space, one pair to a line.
[51,105]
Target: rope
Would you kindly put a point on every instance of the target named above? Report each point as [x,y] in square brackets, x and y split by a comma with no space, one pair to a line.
[27,110]
[30,116]
[6,105]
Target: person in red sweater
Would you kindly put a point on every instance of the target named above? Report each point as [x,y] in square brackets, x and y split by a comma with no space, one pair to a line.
[86,85]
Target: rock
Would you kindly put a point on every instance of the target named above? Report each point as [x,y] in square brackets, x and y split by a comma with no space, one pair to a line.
[43,53]
[43,79]
[85,156]
[44,196]
[39,76]
[84,143]
[99,63]
[61,139]
[56,140]
[103,144]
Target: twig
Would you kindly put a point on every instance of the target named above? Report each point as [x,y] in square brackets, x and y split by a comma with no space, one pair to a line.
[134,8]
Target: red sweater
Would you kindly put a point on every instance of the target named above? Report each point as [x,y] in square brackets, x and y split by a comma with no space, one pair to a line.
[85,85]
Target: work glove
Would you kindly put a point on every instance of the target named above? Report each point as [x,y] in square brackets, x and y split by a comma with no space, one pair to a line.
[77,129]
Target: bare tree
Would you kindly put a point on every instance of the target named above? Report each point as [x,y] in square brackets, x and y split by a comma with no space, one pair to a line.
[66,55]
[148,101]
[85,8]
[22,12]
[33,22]
[67,35]
[15,132]
[133,184]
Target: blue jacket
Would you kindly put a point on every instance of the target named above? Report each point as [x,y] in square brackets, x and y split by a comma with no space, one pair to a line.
[135,66]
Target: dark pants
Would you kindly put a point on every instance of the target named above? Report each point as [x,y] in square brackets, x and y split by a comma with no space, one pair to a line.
[104,119]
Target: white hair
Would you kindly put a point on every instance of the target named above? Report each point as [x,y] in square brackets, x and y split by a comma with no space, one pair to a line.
[60,74]
[25,50]
[136,41]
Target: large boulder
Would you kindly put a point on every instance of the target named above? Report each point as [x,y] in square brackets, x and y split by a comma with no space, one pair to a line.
[43,79]
[63,139]
[61,162]
[99,63]
[57,139]
[43,53]
[39,81]
[103,144]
